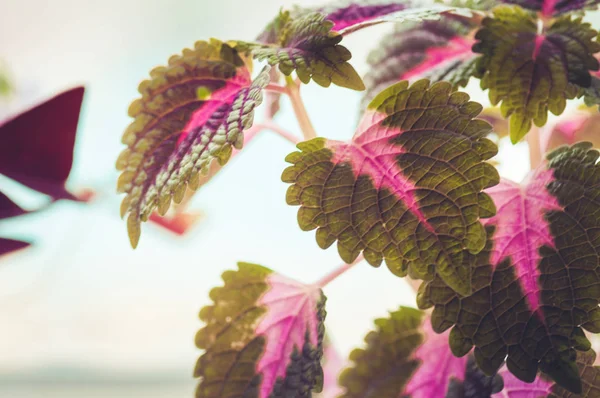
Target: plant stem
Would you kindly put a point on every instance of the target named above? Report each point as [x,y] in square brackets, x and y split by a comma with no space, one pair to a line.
[293,91]
[277,88]
[337,272]
[535,152]
[274,127]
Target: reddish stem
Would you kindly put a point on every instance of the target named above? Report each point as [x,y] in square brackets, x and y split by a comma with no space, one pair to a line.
[535,150]
[337,272]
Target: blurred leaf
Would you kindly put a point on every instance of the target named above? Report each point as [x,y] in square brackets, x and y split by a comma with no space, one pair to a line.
[436,50]
[405,358]
[555,7]
[263,337]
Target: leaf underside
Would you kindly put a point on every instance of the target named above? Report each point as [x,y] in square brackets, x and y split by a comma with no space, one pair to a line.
[403,358]
[262,339]
[308,46]
[407,188]
[532,74]
[535,285]
[191,113]
[555,7]
[417,50]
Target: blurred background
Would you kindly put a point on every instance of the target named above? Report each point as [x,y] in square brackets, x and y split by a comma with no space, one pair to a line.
[84,315]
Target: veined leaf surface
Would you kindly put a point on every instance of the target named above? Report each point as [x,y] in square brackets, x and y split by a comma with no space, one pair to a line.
[308,46]
[263,337]
[536,285]
[542,388]
[407,188]
[533,72]
[191,112]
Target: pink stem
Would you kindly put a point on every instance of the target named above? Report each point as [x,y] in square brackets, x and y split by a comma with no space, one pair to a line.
[535,150]
[277,88]
[337,272]
[274,127]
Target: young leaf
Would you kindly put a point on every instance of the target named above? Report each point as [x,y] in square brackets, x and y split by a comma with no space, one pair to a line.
[532,73]
[541,388]
[407,188]
[536,284]
[263,337]
[191,113]
[437,50]
[308,46]
[405,358]
[550,8]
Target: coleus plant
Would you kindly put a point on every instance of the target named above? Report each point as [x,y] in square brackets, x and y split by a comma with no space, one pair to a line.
[510,271]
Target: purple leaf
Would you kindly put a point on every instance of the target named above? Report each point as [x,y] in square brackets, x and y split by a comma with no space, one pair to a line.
[349,13]
[550,8]
[191,113]
[437,50]
[535,285]
[407,188]
[9,245]
[36,146]
[263,337]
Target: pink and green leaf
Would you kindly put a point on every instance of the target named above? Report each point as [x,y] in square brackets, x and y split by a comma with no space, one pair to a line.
[333,364]
[542,388]
[532,73]
[308,46]
[536,285]
[263,337]
[552,8]
[192,111]
[407,189]
[405,358]
[437,50]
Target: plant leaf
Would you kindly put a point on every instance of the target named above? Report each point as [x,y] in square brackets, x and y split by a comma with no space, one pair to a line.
[407,188]
[332,366]
[349,16]
[402,359]
[536,284]
[550,8]
[436,50]
[191,113]
[308,46]
[263,337]
[591,95]
[533,73]
[540,388]
[579,126]
[36,146]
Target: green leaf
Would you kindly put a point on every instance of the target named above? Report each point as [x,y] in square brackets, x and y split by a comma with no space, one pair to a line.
[590,378]
[405,358]
[263,337]
[407,188]
[533,73]
[308,46]
[535,285]
[191,113]
[591,95]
